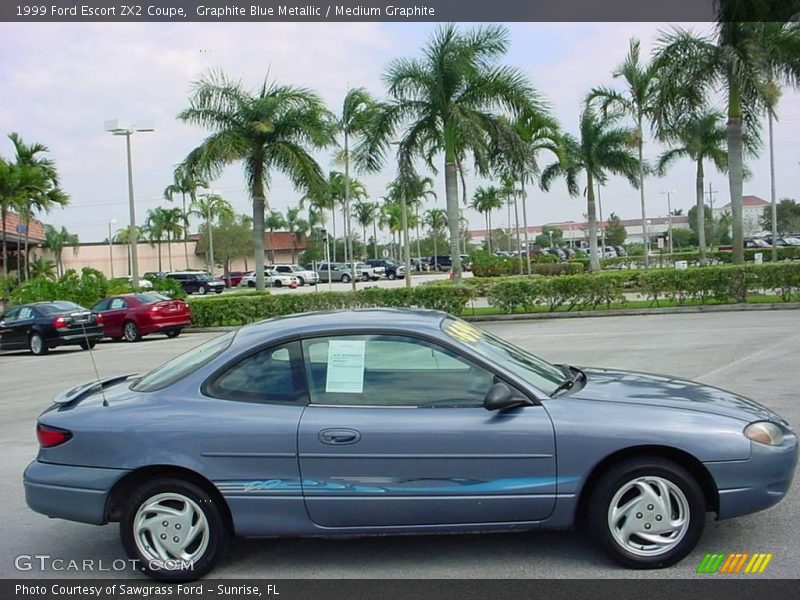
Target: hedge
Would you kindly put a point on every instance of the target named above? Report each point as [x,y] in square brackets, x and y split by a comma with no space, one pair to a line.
[240,309]
[702,284]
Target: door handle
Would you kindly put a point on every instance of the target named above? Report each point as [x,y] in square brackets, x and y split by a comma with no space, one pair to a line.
[339,436]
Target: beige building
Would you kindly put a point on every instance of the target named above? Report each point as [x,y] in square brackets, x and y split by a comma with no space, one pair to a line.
[113,260]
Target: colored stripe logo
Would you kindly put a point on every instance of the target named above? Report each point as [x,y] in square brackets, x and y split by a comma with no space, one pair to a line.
[735,563]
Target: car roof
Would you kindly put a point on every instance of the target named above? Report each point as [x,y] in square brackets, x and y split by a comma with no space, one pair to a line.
[322,322]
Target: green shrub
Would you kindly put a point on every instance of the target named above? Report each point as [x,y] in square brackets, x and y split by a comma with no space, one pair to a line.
[84,289]
[239,309]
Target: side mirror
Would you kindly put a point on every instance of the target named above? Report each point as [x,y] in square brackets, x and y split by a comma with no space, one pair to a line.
[500,397]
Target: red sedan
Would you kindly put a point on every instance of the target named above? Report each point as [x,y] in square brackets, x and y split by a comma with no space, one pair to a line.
[233,278]
[131,316]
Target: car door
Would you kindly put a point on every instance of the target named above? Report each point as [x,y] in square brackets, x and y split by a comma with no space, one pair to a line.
[20,327]
[114,317]
[396,435]
[9,335]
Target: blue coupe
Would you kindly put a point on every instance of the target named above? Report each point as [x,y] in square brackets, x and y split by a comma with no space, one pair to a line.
[390,421]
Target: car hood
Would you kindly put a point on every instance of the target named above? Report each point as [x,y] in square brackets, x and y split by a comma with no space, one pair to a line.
[660,390]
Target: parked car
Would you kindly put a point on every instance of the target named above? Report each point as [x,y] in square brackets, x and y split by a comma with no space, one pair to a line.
[440,263]
[130,316]
[609,252]
[144,282]
[621,252]
[233,278]
[391,269]
[514,442]
[150,275]
[570,252]
[42,326]
[271,279]
[369,272]
[466,262]
[197,282]
[337,272]
[304,276]
[558,253]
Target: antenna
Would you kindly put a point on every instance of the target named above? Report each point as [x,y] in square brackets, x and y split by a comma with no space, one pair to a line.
[94,364]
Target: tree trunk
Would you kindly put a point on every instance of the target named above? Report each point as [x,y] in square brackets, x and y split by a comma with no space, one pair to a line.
[333,227]
[375,236]
[489,221]
[516,226]
[27,238]
[419,251]
[594,259]
[735,170]
[347,223]
[406,240]
[159,255]
[451,193]
[774,202]
[646,241]
[5,253]
[169,249]
[525,227]
[259,205]
[700,218]
[185,230]
[210,248]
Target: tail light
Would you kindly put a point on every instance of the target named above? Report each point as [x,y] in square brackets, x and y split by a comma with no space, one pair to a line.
[155,308]
[98,318]
[60,323]
[51,436]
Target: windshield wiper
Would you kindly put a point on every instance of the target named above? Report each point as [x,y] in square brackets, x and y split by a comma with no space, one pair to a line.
[567,384]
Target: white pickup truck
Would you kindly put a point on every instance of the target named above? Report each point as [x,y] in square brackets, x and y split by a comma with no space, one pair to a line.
[304,276]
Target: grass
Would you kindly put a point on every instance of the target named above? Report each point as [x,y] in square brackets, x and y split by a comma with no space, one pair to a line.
[630,304]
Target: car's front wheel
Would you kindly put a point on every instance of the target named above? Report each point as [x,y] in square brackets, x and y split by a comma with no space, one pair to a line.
[345,278]
[173,333]
[392,275]
[174,529]
[647,513]
[202,290]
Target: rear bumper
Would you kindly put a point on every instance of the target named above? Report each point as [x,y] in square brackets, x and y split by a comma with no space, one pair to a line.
[69,492]
[757,483]
[94,333]
[166,324]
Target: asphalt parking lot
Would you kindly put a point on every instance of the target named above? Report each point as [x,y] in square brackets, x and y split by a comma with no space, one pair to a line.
[751,353]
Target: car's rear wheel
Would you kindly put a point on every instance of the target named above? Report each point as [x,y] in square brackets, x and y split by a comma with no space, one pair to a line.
[202,290]
[392,275]
[301,282]
[174,529]
[364,277]
[131,332]
[37,344]
[251,284]
[647,513]
[277,283]
[173,333]
[345,278]
[90,344]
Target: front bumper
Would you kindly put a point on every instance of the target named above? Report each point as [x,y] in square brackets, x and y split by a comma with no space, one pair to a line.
[755,484]
[69,492]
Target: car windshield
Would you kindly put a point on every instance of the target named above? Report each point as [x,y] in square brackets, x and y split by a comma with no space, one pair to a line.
[179,367]
[539,373]
[151,298]
[58,307]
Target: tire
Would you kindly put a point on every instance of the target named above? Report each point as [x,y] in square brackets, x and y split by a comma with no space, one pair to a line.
[345,278]
[392,275]
[37,345]
[251,284]
[173,333]
[130,332]
[277,283]
[87,345]
[301,282]
[364,277]
[202,290]
[205,522]
[683,513]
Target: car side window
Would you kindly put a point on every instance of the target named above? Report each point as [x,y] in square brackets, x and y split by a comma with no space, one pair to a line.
[25,313]
[117,304]
[102,305]
[390,370]
[11,315]
[271,375]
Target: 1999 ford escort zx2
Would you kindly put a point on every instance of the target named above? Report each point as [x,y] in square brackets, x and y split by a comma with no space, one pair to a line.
[388,421]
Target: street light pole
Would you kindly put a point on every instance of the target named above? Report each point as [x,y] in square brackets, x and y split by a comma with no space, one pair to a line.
[668,194]
[119,127]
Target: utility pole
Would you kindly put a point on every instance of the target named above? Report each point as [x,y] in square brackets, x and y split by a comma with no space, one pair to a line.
[602,224]
[712,193]
[668,194]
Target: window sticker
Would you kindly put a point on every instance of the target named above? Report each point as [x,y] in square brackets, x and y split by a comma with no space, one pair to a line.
[463,332]
[345,366]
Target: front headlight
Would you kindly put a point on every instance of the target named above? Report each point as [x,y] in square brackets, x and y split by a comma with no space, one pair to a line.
[764,432]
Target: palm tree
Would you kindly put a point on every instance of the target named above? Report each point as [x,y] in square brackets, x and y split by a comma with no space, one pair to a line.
[123,236]
[509,193]
[436,220]
[273,222]
[56,240]
[486,200]
[739,61]
[297,227]
[365,216]
[644,99]
[42,268]
[412,189]
[172,224]
[211,207]
[602,148]
[271,129]
[698,136]
[154,229]
[453,100]
[184,182]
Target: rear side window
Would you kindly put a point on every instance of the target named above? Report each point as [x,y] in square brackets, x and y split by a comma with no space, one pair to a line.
[271,375]
[180,367]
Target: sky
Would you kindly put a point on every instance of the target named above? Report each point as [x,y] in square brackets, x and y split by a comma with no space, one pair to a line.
[61,81]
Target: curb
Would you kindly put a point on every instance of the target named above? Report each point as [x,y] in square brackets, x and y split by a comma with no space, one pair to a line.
[582,314]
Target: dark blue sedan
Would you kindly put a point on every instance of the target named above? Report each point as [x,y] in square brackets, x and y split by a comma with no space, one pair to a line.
[390,421]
